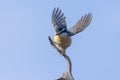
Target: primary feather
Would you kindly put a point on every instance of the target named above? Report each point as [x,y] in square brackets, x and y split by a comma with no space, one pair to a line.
[58,20]
[81,24]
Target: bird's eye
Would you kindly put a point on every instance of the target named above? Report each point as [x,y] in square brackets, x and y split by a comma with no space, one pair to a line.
[59,29]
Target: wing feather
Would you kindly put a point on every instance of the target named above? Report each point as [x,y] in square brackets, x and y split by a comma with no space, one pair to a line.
[81,24]
[58,20]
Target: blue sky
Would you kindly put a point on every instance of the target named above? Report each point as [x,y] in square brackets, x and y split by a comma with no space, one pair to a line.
[25,52]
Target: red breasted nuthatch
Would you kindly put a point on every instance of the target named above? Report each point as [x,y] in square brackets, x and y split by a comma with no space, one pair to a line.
[63,35]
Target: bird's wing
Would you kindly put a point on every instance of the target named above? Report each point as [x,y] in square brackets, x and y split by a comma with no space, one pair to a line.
[81,24]
[58,20]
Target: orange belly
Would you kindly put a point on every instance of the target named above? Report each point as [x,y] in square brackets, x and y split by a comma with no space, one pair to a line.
[63,41]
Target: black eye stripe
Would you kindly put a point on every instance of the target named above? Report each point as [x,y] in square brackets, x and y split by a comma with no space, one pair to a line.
[60,29]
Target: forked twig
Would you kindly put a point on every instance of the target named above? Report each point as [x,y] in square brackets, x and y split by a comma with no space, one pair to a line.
[54,44]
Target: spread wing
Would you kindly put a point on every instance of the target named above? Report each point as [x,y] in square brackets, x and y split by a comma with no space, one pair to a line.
[58,20]
[81,24]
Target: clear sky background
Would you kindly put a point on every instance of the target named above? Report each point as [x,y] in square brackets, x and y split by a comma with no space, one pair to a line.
[25,52]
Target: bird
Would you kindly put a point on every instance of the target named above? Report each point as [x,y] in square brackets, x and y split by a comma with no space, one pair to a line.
[62,36]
